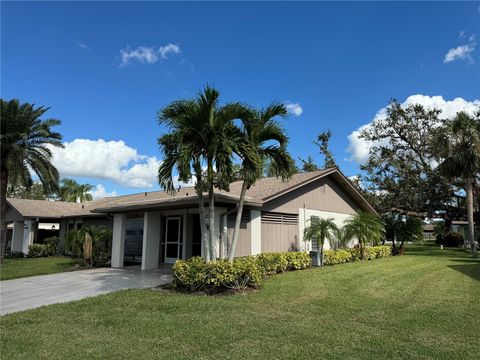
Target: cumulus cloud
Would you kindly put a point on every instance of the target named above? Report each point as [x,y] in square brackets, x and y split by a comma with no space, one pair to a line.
[294,108]
[359,149]
[149,55]
[462,52]
[112,160]
[100,192]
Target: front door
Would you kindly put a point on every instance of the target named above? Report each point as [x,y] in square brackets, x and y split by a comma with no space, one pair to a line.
[173,239]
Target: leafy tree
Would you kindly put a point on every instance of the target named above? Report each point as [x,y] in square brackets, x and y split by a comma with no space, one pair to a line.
[320,230]
[72,191]
[34,192]
[366,228]
[401,170]
[458,147]
[308,164]
[263,139]
[25,141]
[201,132]
[322,142]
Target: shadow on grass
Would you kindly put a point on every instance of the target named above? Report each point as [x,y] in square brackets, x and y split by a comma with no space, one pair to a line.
[472,270]
[432,250]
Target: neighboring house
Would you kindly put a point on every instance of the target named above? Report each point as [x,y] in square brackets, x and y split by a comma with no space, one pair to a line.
[31,221]
[157,227]
[153,228]
[428,233]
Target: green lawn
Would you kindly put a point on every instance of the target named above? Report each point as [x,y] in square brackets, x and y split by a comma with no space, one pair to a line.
[17,268]
[424,305]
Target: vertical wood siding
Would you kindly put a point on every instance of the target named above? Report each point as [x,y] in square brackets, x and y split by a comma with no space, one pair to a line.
[279,237]
[323,194]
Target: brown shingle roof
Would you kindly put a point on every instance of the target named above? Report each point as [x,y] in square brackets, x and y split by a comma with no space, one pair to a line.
[264,190]
[43,208]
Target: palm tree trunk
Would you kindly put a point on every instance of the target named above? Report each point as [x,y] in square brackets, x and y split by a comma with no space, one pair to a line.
[471,224]
[211,210]
[211,222]
[203,227]
[238,220]
[3,209]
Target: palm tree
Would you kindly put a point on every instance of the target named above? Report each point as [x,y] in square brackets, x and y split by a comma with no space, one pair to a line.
[72,191]
[366,228]
[458,144]
[263,140]
[340,241]
[25,141]
[320,230]
[201,133]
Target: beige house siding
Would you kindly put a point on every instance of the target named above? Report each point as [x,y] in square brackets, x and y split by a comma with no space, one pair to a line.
[279,237]
[323,194]
[244,243]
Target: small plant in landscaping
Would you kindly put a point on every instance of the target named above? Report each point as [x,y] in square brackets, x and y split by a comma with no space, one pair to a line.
[38,250]
[453,239]
[341,256]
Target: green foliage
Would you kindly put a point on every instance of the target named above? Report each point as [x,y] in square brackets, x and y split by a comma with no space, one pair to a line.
[72,191]
[308,164]
[38,250]
[272,263]
[197,275]
[341,256]
[101,244]
[52,244]
[453,239]
[322,142]
[366,228]
[14,255]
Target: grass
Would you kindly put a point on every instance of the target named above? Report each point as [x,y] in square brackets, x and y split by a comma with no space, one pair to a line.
[423,305]
[17,268]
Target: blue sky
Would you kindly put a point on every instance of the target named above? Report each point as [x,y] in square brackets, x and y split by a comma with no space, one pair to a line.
[340,63]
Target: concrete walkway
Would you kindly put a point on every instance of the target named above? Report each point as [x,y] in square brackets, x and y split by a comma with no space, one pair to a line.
[32,292]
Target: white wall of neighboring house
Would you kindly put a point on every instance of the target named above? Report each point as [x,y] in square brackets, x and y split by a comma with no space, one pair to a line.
[304,221]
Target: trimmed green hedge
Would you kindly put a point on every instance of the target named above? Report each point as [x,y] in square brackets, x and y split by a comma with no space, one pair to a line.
[341,256]
[221,275]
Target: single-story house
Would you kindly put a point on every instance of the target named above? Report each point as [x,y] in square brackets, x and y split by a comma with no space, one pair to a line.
[32,221]
[153,228]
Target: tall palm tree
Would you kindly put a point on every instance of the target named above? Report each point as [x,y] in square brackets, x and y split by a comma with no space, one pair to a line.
[25,141]
[72,191]
[320,230]
[458,144]
[263,139]
[366,228]
[201,133]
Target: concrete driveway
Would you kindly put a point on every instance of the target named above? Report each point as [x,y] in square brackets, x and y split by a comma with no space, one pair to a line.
[32,292]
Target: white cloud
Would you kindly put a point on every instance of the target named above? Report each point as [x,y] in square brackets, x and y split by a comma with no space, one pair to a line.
[294,108]
[83,45]
[463,52]
[100,192]
[359,148]
[112,160]
[148,55]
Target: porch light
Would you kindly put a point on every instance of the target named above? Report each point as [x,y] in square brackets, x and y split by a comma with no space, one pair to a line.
[53,227]
[25,226]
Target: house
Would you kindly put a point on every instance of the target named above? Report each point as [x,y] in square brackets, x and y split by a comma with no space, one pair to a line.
[153,228]
[32,221]
[157,227]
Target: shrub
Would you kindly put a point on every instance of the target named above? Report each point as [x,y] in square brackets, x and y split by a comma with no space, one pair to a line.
[197,275]
[272,263]
[102,259]
[14,255]
[38,250]
[298,260]
[52,244]
[333,257]
[221,275]
[453,239]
